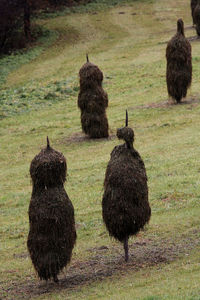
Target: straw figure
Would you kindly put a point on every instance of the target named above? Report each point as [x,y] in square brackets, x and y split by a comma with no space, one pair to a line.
[125,206]
[52,233]
[179,64]
[197,17]
[92,101]
[193,4]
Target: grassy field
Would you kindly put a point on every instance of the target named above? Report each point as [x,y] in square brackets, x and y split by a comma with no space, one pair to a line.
[38,97]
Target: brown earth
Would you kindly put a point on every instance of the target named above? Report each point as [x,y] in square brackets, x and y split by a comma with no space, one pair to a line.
[192,102]
[143,253]
[79,137]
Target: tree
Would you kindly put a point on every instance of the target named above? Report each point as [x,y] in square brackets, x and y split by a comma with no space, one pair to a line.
[15,18]
[27,23]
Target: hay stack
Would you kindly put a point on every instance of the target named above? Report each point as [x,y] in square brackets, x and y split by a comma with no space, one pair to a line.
[125,205]
[193,4]
[179,64]
[52,233]
[92,101]
[197,17]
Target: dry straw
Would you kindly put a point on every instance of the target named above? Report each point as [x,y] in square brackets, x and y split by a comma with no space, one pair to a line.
[179,64]
[52,233]
[92,101]
[193,5]
[197,17]
[125,205]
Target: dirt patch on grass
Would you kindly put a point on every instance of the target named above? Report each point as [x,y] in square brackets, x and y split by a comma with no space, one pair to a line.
[193,102]
[79,137]
[21,255]
[190,39]
[193,38]
[189,27]
[106,261]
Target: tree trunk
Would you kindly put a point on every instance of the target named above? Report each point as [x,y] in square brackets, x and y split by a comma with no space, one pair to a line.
[27,23]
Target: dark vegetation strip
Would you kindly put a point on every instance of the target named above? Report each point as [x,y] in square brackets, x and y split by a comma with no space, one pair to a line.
[16,20]
[87,7]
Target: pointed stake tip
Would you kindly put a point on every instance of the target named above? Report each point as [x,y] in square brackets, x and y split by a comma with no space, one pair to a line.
[48,143]
[126,117]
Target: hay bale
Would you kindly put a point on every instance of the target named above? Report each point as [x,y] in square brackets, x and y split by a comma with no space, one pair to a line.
[125,206]
[179,64]
[52,233]
[90,76]
[48,168]
[193,4]
[97,100]
[92,101]
[197,17]
[95,125]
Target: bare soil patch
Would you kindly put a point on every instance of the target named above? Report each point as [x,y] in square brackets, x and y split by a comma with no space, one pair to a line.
[193,102]
[190,39]
[106,261]
[189,27]
[193,38]
[79,137]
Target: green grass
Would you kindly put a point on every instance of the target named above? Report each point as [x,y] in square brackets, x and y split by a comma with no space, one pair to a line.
[8,63]
[38,97]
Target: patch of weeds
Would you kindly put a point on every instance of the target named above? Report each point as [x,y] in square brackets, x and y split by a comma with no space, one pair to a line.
[196,59]
[76,88]
[61,86]
[24,99]
[50,96]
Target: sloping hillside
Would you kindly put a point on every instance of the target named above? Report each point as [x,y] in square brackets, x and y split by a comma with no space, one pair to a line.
[39,97]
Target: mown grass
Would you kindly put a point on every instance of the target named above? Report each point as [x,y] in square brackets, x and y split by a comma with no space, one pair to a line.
[39,98]
[161,284]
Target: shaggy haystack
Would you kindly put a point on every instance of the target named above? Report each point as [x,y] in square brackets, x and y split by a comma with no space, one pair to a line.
[52,233]
[48,168]
[197,17]
[125,205]
[179,64]
[90,75]
[193,4]
[92,101]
